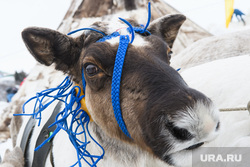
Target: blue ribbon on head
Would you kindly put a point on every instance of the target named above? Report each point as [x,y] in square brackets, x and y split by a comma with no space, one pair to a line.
[116,82]
[119,61]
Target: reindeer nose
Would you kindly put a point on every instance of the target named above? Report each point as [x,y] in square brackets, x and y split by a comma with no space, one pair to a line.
[195,146]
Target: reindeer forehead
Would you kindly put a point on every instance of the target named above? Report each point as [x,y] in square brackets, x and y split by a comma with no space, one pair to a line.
[122,28]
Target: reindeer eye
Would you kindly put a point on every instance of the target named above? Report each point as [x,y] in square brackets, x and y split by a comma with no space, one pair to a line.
[92,69]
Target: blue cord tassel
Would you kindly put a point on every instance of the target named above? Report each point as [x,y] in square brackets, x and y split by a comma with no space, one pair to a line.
[78,124]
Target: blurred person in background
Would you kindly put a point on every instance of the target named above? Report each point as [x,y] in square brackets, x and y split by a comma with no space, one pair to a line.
[238,14]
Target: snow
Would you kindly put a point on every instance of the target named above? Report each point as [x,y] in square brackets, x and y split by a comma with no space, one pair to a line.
[4,146]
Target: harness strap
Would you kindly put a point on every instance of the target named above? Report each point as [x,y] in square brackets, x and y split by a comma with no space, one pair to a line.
[119,60]
[116,82]
[40,156]
[27,135]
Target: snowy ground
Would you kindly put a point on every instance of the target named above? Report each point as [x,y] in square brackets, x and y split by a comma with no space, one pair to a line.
[4,146]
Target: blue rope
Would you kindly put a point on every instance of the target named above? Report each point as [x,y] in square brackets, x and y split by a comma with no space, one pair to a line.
[107,37]
[139,30]
[149,17]
[81,29]
[131,29]
[116,82]
[78,118]
[63,87]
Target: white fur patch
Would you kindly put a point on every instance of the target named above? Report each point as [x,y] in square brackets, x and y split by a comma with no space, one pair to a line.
[199,120]
[122,29]
[138,41]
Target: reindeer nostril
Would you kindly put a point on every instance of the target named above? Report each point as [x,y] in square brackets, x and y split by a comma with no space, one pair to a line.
[179,133]
[195,146]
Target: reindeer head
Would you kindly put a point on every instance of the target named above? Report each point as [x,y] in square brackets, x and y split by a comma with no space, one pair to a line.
[162,114]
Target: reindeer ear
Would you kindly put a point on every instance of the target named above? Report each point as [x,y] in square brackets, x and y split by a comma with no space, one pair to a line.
[167,27]
[49,46]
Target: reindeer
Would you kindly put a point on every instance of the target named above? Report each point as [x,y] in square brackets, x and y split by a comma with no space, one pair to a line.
[220,47]
[166,119]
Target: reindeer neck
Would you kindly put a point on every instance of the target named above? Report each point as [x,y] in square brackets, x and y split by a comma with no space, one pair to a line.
[122,154]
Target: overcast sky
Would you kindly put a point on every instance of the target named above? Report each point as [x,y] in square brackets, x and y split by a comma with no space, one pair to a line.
[15,15]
